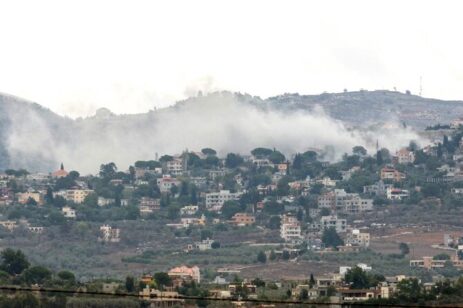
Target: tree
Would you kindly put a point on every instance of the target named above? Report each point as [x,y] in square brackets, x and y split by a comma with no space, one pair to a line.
[13,262]
[215,245]
[230,208]
[311,280]
[108,171]
[274,222]
[297,162]
[206,234]
[276,157]
[379,158]
[304,295]
[409,290]
[233,160]
[162,279]
[404,249]
[357,278]
[37,275]
[74,175]
[261,257]
[310,156]
[130,284]
[272,256]
[285,255]
[261,152]
[359,150]
[49,196]
[208,152]
[166,158]
[283,186]
[331,238]
[67,276]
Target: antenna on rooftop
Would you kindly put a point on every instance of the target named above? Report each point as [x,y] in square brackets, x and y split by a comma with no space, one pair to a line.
[421,85]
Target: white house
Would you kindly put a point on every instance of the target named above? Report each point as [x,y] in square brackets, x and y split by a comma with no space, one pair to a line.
[68,212]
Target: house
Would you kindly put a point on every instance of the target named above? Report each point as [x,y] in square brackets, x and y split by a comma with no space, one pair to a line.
[248,287]
[185,222]
[166,183]
[157,298]
[290,229]
[185,273]
[109,234]
[343,269]
[377,189]
[77,195]
[352,203]
[105,201]
[23,198]
[150,203]
[215,200]
[396,194]
[110,287]
[37,230]
[357,238]
[68,212]
[189,210]
[282,168]
[10,225]
[354,295]
[428,263]
[262,162]
[332,221]
[326,181]
[405,156]
[243,219]
[388,173]
[204,244]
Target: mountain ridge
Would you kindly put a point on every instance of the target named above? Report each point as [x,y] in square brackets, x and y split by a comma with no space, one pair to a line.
[33,136]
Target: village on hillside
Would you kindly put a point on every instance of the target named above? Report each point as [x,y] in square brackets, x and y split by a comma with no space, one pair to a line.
[254,226]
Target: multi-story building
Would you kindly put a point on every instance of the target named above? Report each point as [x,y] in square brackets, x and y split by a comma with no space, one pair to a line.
[348,203]
[339,224]
[185,273]
[24,197]
[377,189]
[397,194]
[388,173]
[77,195]
[176,166]
[404,156]
[189,210]
[290,229]
[243,219]
[357,238]
[215,200]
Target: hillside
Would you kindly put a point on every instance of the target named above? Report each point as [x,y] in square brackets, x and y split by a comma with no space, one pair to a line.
[36,138]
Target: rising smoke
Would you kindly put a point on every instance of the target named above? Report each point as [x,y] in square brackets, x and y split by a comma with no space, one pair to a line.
[219,120]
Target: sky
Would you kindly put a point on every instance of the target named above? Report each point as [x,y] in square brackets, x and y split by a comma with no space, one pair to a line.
[132,56]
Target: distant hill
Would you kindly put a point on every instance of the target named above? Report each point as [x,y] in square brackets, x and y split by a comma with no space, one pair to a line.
[34,137]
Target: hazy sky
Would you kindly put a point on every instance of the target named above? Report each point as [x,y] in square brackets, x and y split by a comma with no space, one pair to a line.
[76,56]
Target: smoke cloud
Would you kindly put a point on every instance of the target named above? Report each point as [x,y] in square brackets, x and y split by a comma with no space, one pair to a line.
[223,121]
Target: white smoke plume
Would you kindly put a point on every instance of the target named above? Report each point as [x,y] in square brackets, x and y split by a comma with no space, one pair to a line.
[220,121]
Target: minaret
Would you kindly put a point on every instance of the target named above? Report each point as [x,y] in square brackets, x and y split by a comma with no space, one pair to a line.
[62,166]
